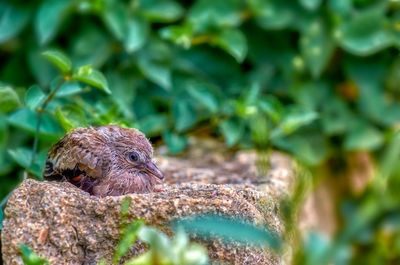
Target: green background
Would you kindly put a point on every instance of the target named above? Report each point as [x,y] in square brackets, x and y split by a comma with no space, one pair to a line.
[317,79]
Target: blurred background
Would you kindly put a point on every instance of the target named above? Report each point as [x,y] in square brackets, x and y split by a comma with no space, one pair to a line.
[317,79]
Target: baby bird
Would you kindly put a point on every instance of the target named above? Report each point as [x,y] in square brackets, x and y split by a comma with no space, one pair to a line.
[104,161]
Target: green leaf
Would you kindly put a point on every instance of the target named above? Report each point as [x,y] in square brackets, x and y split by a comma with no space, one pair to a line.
[9,99]
[71,117]
[92,77]
[158,242]
[29,257]
[214,226]
[296,119]
[137,34]
[342,7]
[311,4]
[125,205]
[91,46]
[272,106]
[129,236]
[273,14]
[39,66]
[59,59]
[23,156]
[363,137]
[153,125]
[234,42]
[161,10]
[206,14]
[176,143]
[34,97]
[115,17]
[365,34]
[49,17]
[316,46]
[68,89]
[184,115]
[26,119]
[180,34]
[12,20]
[202,93]
[155,64]
[232,129]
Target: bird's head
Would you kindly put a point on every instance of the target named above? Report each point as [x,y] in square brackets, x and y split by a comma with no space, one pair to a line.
[132,169]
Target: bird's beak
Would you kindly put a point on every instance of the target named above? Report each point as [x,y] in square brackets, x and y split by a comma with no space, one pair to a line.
[152,169]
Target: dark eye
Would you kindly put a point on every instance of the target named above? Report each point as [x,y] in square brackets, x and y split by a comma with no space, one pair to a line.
[134,157]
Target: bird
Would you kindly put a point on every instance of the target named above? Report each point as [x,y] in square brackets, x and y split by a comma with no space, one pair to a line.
[104,161]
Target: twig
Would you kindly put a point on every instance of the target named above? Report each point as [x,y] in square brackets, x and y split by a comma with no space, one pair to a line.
[40,110]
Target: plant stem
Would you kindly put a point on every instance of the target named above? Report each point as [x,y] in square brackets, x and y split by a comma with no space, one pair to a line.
[41,109]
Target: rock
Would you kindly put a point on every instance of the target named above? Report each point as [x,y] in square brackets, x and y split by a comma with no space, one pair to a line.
[68,226]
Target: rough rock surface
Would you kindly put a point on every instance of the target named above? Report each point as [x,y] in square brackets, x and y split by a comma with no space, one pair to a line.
[68,226]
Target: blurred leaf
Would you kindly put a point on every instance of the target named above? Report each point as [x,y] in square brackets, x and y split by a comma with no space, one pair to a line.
[234,42]
[71,117]
[365,34]
[315,248]
[129,235]
[363,137]
[184,115]
[336,117]
[158,241]
[59,59]
[260,130]
[273,14]
[232,129]
[23,156]
[296,119]
[29,257]
[92,77]
[115,16]
[311,4]
[91,46]
[161,11]
[317,47]
[69,88]
[180,34]
[34,97]
[201,92]
[137,34]
[49,17]
[205,14]
[309,147]
[26,119]
[9,99]
[125,205]
[214,226]
[272,106]
[176,143]
[40,68]
[154,62]
[153,124]
[342,7]
[12,20]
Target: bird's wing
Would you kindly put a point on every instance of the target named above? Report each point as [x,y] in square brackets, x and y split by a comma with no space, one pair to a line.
[80,152]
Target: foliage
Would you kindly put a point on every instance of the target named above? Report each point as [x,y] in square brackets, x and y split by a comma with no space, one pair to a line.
[317,79]
[29,257]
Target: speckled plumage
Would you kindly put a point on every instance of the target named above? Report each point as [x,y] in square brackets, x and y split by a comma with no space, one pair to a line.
[104,161]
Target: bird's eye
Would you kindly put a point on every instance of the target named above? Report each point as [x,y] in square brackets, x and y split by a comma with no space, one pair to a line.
[134,157]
